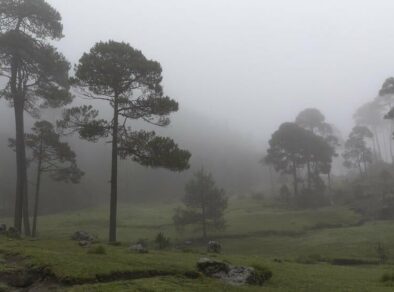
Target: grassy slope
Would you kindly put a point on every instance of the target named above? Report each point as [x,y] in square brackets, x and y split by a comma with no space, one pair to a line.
[256,234]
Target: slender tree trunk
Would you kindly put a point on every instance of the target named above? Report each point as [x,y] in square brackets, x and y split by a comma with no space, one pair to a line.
[375,153]
[365,166]
[391,141]
[18,108]
[114,174]
[21,195]
[37,195]
[21,198]
[308,166]
[272,180]
[295,180]
[26,219]
[378,143]
[360,169]
[384,144]
[204,222]
[19,169]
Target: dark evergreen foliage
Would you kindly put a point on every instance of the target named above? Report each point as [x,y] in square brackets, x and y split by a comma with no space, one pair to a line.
[357,154]
[36,74]
[52,157]
[204,202]
[120,75]
[293,147]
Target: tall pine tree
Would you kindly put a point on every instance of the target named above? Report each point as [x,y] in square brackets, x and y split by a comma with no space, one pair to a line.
[36,74]
[115,73]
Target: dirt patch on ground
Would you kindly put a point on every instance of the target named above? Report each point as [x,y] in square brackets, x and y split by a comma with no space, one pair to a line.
[17,276]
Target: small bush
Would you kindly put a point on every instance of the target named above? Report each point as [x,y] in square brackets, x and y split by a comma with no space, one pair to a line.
[263,273]
[13,233]
[161,241]
[97,250]
[4,288]
[387,277]
[352,262]
[382,252]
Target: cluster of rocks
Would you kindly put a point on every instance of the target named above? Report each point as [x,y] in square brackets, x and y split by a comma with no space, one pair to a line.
[12,232]
[236,275]
[84,238]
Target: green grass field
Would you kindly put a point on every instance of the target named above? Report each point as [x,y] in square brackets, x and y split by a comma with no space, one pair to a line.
[298,246]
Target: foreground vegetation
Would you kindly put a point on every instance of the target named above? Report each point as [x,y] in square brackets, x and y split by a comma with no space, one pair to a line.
[328,249]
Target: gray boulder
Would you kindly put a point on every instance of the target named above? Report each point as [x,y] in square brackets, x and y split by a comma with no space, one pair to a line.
[232,274]
[242,275]
[214,247]
[13,233]
[82,236]
[3,229]
[138,248]
[212,268]
[84,243]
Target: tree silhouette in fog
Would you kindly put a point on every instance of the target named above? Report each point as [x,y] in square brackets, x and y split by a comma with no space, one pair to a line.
[37,75]
[115,73]
[313,120]
[52,157]
[293,147]
[357,154]
[205,204]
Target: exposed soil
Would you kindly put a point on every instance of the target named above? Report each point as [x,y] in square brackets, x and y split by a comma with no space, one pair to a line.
[21,278]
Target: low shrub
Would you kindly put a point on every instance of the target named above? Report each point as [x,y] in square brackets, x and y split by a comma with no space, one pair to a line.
[387,277]
[263,273]
[161,241]
[352,262]
[4,288]
[99,249]
[382,252]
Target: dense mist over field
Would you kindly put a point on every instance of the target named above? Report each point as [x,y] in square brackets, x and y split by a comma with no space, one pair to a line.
[249,64]
[196,145]
[238,69]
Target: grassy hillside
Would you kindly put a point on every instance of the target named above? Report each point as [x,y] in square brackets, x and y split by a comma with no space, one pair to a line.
[301,247]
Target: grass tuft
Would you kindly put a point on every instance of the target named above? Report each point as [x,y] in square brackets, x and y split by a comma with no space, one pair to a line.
[99,249]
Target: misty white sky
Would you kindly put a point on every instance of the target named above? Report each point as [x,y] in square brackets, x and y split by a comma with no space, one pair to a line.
[251,63]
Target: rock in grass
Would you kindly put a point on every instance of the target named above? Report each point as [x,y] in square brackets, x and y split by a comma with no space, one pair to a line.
[82,236]
[84,243]
[3,229]
[138,248]
[233,274]
[212,268]
[214,247]
[20,279]
[243,275]
[13,233]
